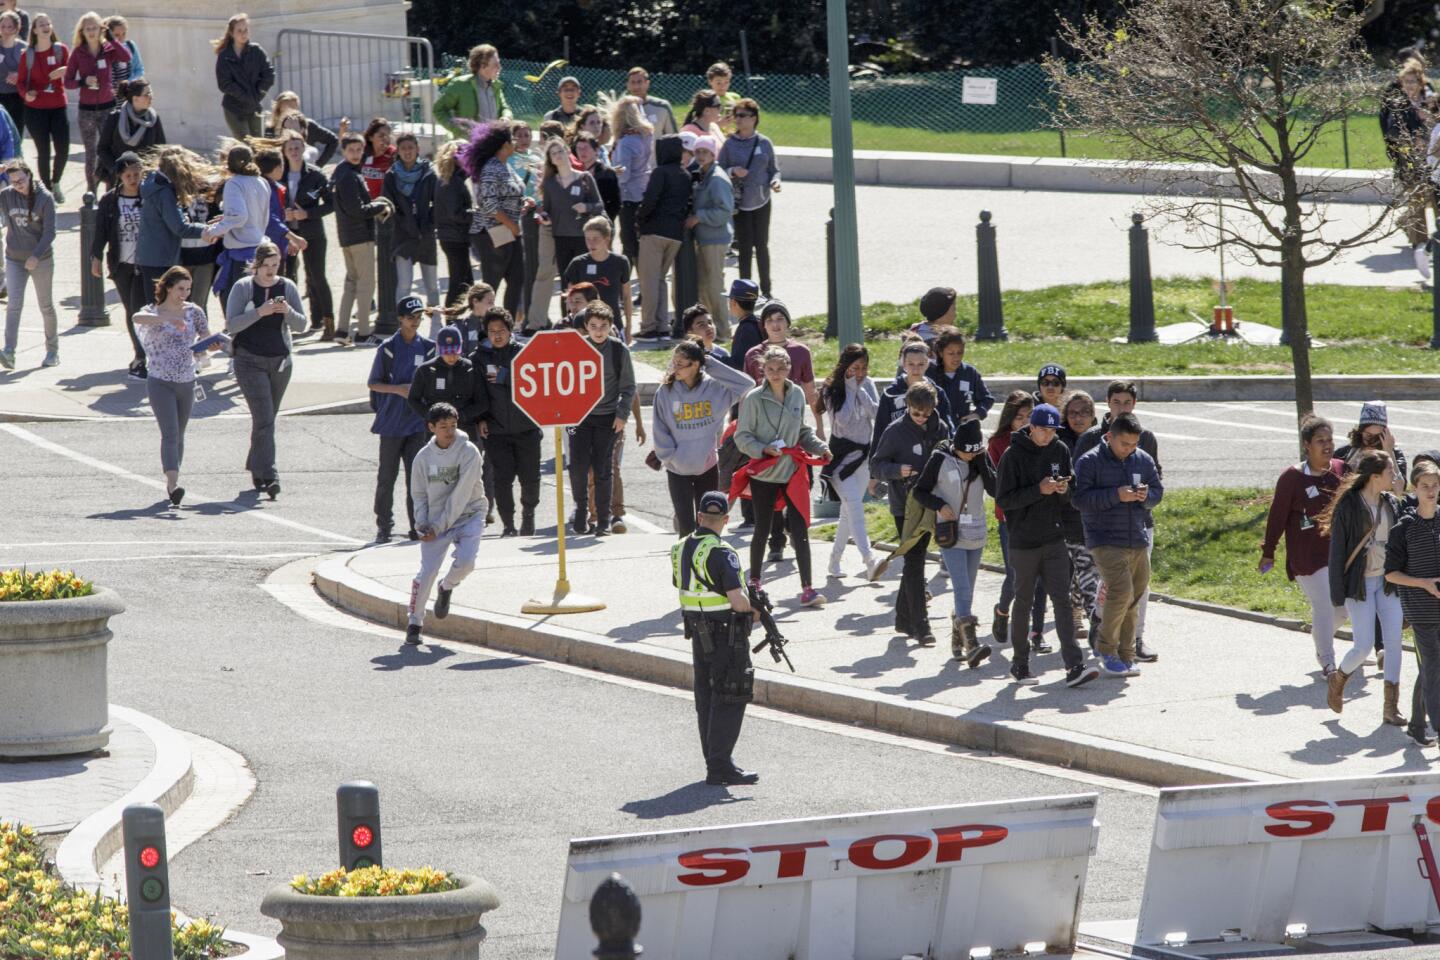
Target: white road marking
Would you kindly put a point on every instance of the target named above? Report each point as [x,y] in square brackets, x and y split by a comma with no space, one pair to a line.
[70,561]
[1152,412]
[1401,427]
[110,468]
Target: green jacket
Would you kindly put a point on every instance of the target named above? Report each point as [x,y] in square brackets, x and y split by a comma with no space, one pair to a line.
[459,99]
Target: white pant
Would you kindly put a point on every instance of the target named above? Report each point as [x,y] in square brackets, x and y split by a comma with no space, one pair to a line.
[466,538]
[851,525]
[1324,616]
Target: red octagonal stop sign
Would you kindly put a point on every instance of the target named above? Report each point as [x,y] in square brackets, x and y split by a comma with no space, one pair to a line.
[557,378]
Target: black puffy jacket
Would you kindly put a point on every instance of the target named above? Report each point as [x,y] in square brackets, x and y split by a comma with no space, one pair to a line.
[1033,519]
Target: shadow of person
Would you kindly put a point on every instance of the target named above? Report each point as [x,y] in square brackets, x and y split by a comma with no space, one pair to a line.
[691,798]
[411,656]
[1342,745]
[668,624]
[897,656]
[492,663]
[1283,699]
[1051,693]
[159,510]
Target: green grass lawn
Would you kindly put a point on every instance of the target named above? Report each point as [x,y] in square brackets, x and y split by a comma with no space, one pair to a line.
[1367,149]
[1207,548]
[1364,329]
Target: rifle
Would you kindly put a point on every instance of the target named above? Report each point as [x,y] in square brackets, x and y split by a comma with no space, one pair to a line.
[760,600]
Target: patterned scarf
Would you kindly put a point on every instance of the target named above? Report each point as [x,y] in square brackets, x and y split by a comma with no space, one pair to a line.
[134,125]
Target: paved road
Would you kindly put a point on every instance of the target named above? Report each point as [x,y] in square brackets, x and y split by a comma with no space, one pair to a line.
[487,764]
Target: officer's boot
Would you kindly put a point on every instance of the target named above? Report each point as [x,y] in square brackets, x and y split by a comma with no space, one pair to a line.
[527,522]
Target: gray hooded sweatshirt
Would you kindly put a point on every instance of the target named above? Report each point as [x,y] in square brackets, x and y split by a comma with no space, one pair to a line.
[688,422]
[29,228]
[446,485]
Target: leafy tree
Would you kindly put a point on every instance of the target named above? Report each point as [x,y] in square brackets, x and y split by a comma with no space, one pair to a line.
[1250,87]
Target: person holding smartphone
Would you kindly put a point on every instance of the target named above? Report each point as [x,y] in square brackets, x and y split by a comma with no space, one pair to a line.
[1117,485]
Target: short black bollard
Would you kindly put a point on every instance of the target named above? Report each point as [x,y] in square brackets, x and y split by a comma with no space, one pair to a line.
[1142,291]
[615,920]
[992,315]
[1433,248]
[147,881]
[386,322]
[357,810]
[92,288]
[832,316]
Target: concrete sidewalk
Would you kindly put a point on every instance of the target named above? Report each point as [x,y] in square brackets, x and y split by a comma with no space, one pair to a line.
[1228,699]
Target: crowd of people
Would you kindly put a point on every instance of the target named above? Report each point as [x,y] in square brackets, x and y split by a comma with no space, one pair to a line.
[619,205]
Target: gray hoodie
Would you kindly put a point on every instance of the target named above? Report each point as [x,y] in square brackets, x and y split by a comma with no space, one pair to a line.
[446,485]
[29,230]
[688,422]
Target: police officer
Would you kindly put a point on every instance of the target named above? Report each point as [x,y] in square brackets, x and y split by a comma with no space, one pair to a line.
[718,617]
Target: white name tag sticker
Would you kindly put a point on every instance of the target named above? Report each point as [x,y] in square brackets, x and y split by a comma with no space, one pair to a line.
[575,190]
[99,64]
[590,269]
[434,472]
[1312,492]
[965,518]
[439,383]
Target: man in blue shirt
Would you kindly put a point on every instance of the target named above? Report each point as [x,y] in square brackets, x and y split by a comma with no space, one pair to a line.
[401,432]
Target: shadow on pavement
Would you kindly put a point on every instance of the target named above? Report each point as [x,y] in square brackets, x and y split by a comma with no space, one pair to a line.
[667,625]
[424,655]
[691,798]
[159,510]
[897,656]
[1284,698]
[493,663]
[1400,261]
[1341,745]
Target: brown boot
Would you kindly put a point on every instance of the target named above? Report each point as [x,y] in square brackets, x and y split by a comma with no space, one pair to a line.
[1392,705]
[329,330]
[1335,697]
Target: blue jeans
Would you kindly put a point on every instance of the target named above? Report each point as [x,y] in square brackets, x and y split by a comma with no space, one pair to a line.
[964,567]
[1363,613]
[1007,589]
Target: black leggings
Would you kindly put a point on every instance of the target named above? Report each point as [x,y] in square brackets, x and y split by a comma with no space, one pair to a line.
[567,249]
[49,126]
[130,284]
[501,264]
[317,288]
[752,235]
[764,496]
[457,265]
[685,494]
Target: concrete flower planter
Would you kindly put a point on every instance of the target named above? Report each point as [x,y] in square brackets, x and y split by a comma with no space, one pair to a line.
[53,698]
[427,926]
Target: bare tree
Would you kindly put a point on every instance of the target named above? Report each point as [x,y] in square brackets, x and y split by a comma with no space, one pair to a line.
[1247,86]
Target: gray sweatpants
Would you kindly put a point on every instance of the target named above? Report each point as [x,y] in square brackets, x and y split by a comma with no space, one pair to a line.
[466,538]
[171,403]
[262,381]
[16,278]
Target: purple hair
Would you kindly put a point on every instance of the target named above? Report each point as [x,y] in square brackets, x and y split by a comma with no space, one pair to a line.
[485,141]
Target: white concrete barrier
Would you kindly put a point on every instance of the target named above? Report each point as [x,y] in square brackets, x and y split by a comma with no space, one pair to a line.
[1267,862]
[938,882]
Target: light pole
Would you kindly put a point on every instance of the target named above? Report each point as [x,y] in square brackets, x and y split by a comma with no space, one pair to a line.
[842,150]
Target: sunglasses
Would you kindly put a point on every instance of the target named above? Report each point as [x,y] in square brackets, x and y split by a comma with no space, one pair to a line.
[1050,382]
[744,113]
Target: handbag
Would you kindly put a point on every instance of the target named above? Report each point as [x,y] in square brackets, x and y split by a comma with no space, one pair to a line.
[947,533]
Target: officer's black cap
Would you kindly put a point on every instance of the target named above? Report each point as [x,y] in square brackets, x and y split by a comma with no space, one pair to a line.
[714,504]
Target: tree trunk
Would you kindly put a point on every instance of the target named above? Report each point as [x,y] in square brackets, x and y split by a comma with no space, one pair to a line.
[1292,293]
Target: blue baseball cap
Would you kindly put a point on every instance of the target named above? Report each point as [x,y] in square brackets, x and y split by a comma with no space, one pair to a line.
[1045,415]
[449,341]
[744,290]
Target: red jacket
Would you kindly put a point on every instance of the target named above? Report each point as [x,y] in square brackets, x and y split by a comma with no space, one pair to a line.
[1293,512]
[996,449]
[797,489]
[85,64]
[34,75]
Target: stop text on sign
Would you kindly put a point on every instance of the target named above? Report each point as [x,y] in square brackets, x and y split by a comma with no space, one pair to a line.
[890,851]
[556,378]
[1309,818]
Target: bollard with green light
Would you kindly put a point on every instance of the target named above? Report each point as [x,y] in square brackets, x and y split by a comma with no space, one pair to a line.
[357,806]
[147,882]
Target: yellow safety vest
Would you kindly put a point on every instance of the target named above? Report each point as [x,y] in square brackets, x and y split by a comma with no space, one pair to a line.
[696,593]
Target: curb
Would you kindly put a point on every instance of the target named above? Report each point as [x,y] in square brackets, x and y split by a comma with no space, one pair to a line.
[896,168]
[820,699]
[169,784]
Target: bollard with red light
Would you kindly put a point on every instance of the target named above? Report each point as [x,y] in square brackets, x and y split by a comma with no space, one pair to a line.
[147,882]
[357,806]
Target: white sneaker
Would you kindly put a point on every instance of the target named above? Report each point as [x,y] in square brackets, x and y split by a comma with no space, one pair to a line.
[871,562]
[1422,262]
[835,572]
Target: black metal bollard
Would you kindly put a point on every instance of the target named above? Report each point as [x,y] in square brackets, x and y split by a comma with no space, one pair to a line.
[147,881]
[357,809]
[832,316]
[1142,291]
[92,288]
[992,315]
[1434,251]
[615,920]
[386,322]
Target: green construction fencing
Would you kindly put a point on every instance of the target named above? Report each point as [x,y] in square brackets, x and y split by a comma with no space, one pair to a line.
[992,110]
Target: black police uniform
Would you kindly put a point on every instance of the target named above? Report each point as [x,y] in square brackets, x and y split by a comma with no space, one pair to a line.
[719,646]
